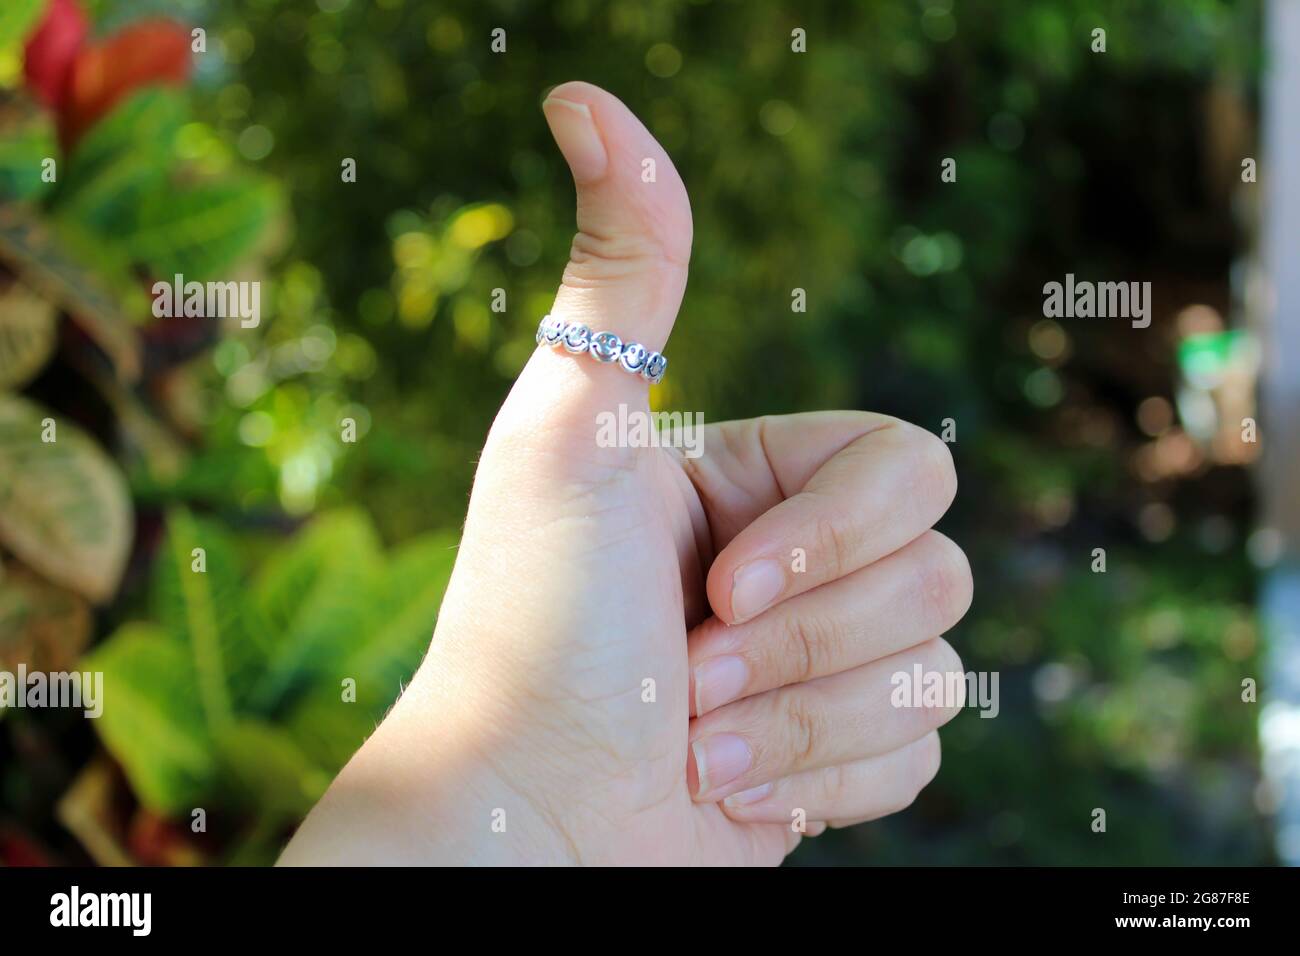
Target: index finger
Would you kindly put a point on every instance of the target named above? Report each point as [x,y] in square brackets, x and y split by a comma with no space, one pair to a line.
[882,489]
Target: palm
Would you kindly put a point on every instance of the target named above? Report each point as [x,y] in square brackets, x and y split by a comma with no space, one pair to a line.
[638,548]
[671,821]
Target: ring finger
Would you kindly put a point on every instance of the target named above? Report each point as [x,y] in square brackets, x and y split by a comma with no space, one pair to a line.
[822,723]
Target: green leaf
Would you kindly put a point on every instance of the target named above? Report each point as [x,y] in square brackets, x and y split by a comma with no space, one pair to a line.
[293,575]
[203,230]
[17,19]
[403,603]
[199,600]
[307,596]
[329,729]
[27,334]
[124,186]
[64,507]
[406,606]
[152,720]
[26,141]
[266,771]
[123,159]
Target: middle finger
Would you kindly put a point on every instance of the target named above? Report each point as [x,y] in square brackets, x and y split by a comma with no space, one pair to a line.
[910,596]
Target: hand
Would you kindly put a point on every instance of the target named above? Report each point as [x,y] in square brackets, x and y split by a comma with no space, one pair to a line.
[584,572]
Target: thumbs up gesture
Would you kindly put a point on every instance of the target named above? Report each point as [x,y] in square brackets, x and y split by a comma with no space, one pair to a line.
[649,658]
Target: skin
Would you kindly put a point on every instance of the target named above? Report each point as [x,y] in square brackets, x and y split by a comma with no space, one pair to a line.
[586,571]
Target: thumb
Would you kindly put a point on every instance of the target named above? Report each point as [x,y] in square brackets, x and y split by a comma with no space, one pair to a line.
[628,261]
[627,266]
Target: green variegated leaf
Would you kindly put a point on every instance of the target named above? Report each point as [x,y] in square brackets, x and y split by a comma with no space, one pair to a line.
[406,606]
[402,606]
[147,121]
[329,606]
[37,254]
[28,333]
[27,144]
[308,596]
[125,158]
[64,507]
[203,230]
[125,185]
[330,729]
[42,625]
[199,599]
[152,720]
[265,770]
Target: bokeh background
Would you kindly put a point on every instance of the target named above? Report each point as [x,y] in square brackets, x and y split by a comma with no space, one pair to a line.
[817,171]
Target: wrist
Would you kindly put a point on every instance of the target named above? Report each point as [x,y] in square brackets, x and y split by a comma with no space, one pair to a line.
[420,792]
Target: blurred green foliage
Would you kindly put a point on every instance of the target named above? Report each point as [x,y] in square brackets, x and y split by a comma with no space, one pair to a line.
[816,171]
[234,700]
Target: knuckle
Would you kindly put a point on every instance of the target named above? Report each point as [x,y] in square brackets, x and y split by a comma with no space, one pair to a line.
[797,652]
[835,786]
[810,644]
[805,726]
[945,579]
[835,547]
[601,256]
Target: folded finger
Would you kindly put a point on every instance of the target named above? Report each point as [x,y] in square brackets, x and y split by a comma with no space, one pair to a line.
[822,723]
[877,493]
[907,597]
[849,793]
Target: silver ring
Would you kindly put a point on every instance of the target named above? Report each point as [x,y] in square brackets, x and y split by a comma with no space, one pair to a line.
[604,347]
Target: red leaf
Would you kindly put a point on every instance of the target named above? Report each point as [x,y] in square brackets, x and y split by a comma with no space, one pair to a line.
[50,50]
[149,53]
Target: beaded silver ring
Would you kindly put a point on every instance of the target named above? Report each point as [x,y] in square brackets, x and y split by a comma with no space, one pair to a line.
[604,347]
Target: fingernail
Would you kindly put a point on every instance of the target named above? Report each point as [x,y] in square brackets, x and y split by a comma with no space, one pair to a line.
[754,587]
[576,134]
[719,681]
[746,797]
[720,759]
